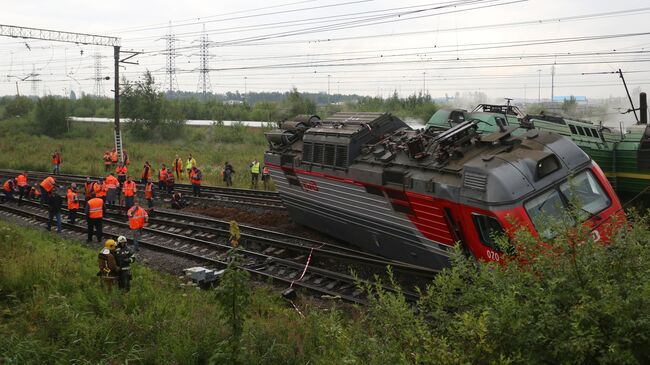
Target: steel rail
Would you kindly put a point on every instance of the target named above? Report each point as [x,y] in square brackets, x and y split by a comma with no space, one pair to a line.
[319,280]
[213,195]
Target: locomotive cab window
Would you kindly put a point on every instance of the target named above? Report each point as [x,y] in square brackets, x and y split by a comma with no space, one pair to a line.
[487,228]
[551,209]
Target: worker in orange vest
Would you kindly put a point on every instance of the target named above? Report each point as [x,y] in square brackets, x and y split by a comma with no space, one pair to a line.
[137,219]
[88,189]
[178,168]
[111,188]
[73,203]
[94,215]
[129,191]
[23,187]
[162,177]
[195,178]
[107,161]
[266,177]
[8,189]
[100,190]
[120,171]
[148,194]
[56,162]
[146,173]
[46,187]
[114,158]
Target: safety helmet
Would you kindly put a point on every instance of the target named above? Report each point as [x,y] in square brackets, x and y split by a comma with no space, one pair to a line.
[110,244]
[121,239]
[73,186]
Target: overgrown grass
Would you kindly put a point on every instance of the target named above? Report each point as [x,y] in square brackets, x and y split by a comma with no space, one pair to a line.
[54,311]
[83,146]
[581,302]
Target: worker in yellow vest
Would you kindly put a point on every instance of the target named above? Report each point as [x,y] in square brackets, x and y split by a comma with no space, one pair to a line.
[255,173]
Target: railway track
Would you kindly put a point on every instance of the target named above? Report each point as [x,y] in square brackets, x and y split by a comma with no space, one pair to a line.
[265,254]
[210,195]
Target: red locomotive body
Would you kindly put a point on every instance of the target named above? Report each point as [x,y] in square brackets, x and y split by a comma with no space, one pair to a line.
[410,195]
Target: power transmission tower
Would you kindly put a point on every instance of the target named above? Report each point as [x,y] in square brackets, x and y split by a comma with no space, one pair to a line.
[99,91]
[204,68]
[552,83]
[32,77]
[170,64]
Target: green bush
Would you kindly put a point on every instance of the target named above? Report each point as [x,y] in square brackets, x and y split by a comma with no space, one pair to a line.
[571,301]
[51,116]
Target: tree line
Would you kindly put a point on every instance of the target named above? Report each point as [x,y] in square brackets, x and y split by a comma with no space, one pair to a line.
[158,114]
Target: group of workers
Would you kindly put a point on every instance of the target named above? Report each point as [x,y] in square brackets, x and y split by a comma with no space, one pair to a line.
[110,190]
[115,258]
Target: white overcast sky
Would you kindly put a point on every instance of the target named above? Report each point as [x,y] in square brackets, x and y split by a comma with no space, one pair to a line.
[352,46]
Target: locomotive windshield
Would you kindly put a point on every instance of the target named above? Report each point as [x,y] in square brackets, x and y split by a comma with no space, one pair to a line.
[582,191]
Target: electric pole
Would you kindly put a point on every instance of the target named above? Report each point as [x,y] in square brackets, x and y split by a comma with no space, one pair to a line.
[539,86]
[78,38]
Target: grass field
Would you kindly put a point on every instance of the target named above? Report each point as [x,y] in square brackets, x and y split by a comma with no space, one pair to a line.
[54,311]
[83,146]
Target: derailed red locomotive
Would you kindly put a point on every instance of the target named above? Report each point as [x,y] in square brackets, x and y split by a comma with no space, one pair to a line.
[410,195]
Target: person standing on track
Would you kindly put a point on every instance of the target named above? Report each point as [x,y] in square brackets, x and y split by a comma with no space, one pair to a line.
[99,189]
[146,173]
[54,202]
[191,162]
[170,183]
[73,203]
[162,177]
[94,214]
[120,171]
[178,168]
[129,191]
[111,188]
[255,173]
[56,162]
[88,189]
[137,219]
[21,181]
[148,194]
[195,178]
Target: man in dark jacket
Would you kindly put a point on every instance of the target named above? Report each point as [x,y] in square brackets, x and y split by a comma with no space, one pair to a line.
[124,257]
[54,202]
[228,170]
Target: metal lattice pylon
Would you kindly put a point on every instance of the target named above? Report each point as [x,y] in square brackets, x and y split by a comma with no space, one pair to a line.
[170,64]
[99,89]
[204,68]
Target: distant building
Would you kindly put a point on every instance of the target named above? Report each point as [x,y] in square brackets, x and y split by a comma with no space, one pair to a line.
[579,99]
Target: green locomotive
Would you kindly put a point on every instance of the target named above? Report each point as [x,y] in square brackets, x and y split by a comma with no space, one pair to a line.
[623,154]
